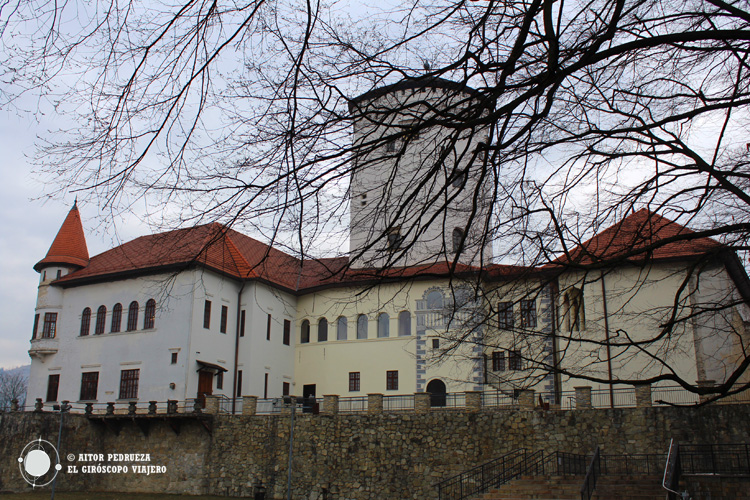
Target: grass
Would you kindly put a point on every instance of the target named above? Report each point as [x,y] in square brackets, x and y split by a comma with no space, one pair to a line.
[64,495]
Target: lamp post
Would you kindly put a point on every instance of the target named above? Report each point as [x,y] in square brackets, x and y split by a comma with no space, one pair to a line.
[62,408]
[290,402]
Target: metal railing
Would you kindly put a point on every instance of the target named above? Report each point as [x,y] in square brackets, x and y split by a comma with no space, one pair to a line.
[515,464]
[483,477]
[715,459]
[592,476]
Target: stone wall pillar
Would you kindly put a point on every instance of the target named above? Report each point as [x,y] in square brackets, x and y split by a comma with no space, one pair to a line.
[249,405]
[374,403]
[331,404]
[706,384]
[212,404]
[422,402]
[526,399]
[643,396]
[583,397]
[473,400]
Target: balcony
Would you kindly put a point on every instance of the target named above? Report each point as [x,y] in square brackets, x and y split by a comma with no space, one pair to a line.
[41,348]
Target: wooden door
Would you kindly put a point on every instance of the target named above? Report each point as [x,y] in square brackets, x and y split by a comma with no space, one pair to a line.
[205,386]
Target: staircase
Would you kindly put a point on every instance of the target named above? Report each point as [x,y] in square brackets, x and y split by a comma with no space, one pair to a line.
[569,488]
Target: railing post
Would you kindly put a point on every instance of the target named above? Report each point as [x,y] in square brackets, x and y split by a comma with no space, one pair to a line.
[110,408]
[131,408]
[421,402]
[38,405]
[152,407]
[643,396]
[249,405]
[375,403]
[583,397]
[331,404]
[705,384]
[526,399]
[212,404]
[473,401]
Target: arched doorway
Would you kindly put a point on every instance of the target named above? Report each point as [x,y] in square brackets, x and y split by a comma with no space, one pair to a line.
[436,388]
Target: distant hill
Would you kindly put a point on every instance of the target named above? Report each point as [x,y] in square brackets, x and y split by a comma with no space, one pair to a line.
[24,370]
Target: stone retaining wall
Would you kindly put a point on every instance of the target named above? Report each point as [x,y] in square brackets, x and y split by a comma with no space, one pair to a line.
[368,456]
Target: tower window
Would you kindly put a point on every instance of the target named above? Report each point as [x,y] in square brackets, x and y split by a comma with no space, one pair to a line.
[362,326]
[50,325]
[129,384]
[394,238]
[458,236]
[287,331]
[383,325]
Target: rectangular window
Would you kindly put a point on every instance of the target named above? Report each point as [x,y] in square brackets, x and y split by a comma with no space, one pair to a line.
[268,328]
[528,313]
[285,389]
[498,361]
[223,323]
[129,384]
[287,331]
[174,358]
[220,380]
[36,326]
[391,380]
[207,314]
[436,343]
[353,381]
[53,382]
[89,384]
[50,326]
[239,383]
[505,315]
[242,323]
[265,386]
[514,360]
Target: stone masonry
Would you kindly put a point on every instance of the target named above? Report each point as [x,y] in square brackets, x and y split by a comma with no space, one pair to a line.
[364,456]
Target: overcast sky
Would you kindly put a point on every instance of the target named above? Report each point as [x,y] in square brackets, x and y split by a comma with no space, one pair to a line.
[28,224]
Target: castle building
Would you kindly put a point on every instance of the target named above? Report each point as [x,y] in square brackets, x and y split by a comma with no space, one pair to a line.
[208,310]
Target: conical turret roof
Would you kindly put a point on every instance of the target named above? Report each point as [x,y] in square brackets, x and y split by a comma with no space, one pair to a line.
[69,247]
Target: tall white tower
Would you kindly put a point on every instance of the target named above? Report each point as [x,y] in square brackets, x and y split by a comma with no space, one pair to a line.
[419,188]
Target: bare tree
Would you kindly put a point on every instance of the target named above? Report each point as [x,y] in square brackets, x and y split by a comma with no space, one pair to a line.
[564,117]
[12,388]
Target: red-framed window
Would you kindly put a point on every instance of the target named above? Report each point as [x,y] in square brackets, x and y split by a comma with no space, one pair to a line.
[50,327]
[89,385]
[101,315]
[129,384]
[133,316]
[116,318]
[354,381]
[149,318]
[391,380]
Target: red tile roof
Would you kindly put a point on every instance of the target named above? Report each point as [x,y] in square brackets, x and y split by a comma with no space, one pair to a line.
[69,246]
[234,254]
[642,236]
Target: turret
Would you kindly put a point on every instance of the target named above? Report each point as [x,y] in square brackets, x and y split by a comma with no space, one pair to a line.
[68,252]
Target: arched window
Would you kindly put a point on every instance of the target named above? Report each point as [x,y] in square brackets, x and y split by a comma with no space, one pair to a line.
[573,311]
[101,315]
[133,316]
[404,324]
[458,236]
[116,317]
[322,330]
[341,328]
[150,316]
[304,337]
[434,300]
[362,326]
[383,325]
[85,321]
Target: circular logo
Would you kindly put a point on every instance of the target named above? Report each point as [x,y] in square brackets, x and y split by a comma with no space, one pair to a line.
[39,463]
